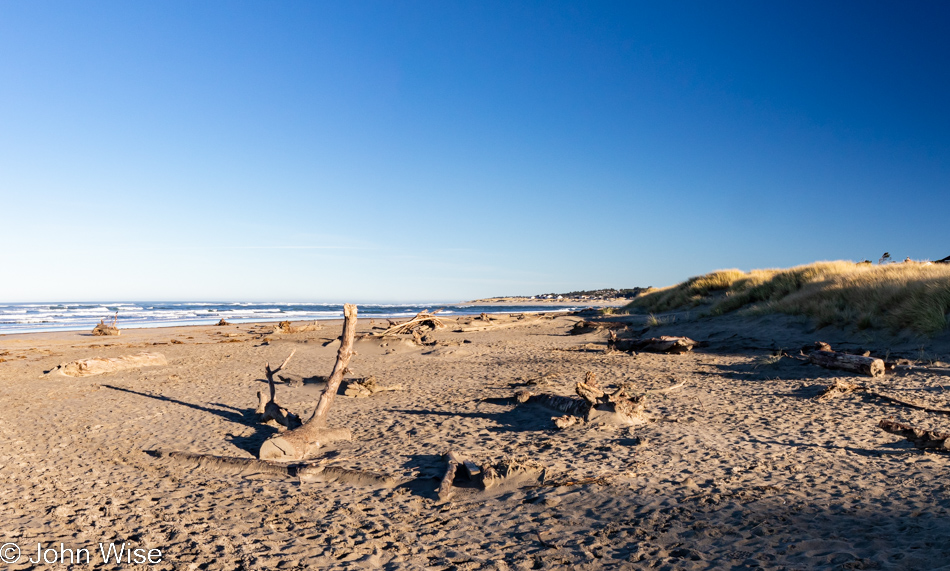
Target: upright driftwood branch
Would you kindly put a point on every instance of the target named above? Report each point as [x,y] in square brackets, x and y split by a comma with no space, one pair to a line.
[268,408]
[297,444]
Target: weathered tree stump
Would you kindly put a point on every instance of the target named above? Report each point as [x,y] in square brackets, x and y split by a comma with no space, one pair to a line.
[300,443]
[855,363]
[103,329]
[593,406]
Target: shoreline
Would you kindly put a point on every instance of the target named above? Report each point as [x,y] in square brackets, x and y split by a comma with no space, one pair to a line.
[498,307]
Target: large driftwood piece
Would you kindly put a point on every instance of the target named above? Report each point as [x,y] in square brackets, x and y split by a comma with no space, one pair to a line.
[287,327]
[502,325]
[453,461]
[268,409]
[662,344]
[297,444]
[98,366]
[103,329]
[422,319]
[856,363]
[362,388]
[921,438]
[594,405]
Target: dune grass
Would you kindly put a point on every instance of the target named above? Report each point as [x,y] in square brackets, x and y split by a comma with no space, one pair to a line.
[910,295]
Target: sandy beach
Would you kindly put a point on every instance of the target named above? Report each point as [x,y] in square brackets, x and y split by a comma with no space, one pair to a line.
[738,468]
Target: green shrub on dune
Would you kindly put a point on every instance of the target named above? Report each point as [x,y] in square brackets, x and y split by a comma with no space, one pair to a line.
[909,295]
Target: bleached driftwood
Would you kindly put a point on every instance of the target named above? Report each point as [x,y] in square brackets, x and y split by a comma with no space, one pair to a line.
[361,388]
[103,329]
[594,405]
[99,366]
[288,327]
[301,442]
[422,319]
[921,438]
[582,327]
[492,326]
[494,473]
[855,363]
[268,409]
[453,461]
[662,344]
[838,388]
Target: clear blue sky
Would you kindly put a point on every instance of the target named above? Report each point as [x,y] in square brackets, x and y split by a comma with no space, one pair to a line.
[331,151]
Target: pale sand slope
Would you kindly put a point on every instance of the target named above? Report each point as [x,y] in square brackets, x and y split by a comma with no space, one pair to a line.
[740,470]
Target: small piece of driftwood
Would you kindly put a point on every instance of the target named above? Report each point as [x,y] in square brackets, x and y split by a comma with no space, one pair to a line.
[921,438]
[453,461]
[870,366]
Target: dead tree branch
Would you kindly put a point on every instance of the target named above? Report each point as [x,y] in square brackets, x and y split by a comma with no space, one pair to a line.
[301,442]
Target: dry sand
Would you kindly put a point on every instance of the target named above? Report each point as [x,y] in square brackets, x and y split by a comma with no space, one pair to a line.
[739,469]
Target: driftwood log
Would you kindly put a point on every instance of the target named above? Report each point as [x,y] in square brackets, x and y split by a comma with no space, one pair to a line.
[301,442]
[422,319]
[582,327]
[870,366]
[268,409]
[453,461]
[361,388]
[288,327]
[662,344]
[921,438]
[98,366]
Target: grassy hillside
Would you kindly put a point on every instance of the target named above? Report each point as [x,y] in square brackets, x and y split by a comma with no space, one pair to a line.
[909,295]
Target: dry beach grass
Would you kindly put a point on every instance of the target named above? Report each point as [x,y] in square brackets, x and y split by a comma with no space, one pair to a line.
[910,295]
[740,468]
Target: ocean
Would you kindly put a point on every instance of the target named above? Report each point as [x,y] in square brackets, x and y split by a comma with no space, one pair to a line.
[40,317]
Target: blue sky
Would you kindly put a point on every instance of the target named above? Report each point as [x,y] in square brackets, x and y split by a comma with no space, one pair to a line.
[438,151]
